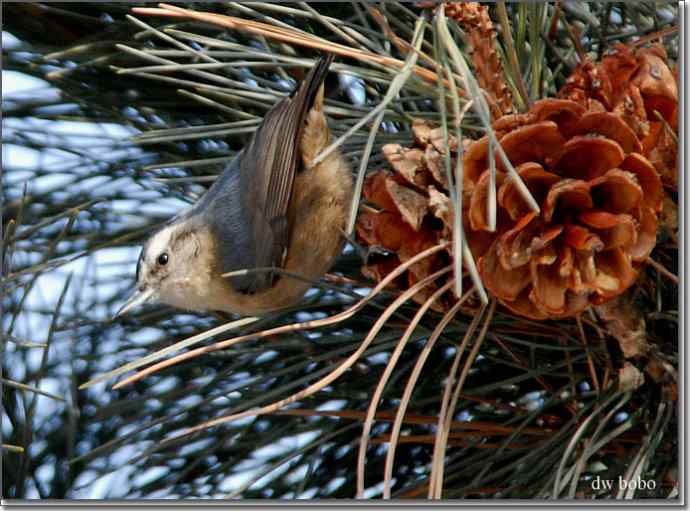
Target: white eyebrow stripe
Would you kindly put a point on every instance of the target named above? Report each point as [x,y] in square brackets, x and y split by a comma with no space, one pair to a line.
[160,241]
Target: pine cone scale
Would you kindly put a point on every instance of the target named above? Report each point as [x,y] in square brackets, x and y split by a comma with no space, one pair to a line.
[534,143]
[507,283]
[611,126]
[588,156]
[616,191]
[515,246]
[537,180]
[647,178]
[647,222]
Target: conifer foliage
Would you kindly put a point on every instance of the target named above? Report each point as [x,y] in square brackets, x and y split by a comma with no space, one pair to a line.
[502,324]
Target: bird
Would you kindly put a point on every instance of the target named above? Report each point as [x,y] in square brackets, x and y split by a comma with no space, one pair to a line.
[272,210]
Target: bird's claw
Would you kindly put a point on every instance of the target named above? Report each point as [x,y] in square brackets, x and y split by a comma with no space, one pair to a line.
[365,252]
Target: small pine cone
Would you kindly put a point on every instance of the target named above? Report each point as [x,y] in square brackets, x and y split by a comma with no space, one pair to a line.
[474,18]
[634,85]
[413,212]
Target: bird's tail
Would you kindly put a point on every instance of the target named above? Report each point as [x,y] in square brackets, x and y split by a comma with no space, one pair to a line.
[309,88]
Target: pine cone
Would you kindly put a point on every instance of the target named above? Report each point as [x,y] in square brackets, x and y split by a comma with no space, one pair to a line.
[412,214]
[634,86]
[599,199]
[599,196]
[474,18]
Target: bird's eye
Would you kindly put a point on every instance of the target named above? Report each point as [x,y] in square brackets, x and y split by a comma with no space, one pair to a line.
[163,259]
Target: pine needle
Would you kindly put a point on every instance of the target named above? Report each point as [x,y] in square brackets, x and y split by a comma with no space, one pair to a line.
[376,397]
[333,375]
[287,328]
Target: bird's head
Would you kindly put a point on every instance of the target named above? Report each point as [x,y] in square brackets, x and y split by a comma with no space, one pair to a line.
[167,264]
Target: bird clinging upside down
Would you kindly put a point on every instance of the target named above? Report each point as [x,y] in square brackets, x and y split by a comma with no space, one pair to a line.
[269,208]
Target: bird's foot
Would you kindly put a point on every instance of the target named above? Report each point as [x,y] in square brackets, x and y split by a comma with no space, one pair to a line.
[365,252]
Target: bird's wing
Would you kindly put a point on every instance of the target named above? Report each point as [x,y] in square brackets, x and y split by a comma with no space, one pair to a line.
[224,210]
[268,167]
[247,206]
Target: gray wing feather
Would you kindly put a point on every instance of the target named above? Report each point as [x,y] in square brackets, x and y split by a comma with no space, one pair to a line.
[224,208]
[249,202]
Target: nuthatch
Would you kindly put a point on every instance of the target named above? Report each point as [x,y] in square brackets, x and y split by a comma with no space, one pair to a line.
[269,208]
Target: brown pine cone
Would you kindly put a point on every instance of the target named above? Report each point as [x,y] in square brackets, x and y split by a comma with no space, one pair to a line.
[586,162]
[474,19]
[634,85]
[599,199]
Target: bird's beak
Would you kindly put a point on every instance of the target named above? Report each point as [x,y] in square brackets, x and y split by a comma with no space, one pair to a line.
[138,297]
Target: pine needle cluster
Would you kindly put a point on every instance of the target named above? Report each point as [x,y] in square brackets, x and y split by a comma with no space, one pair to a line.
[136,112]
